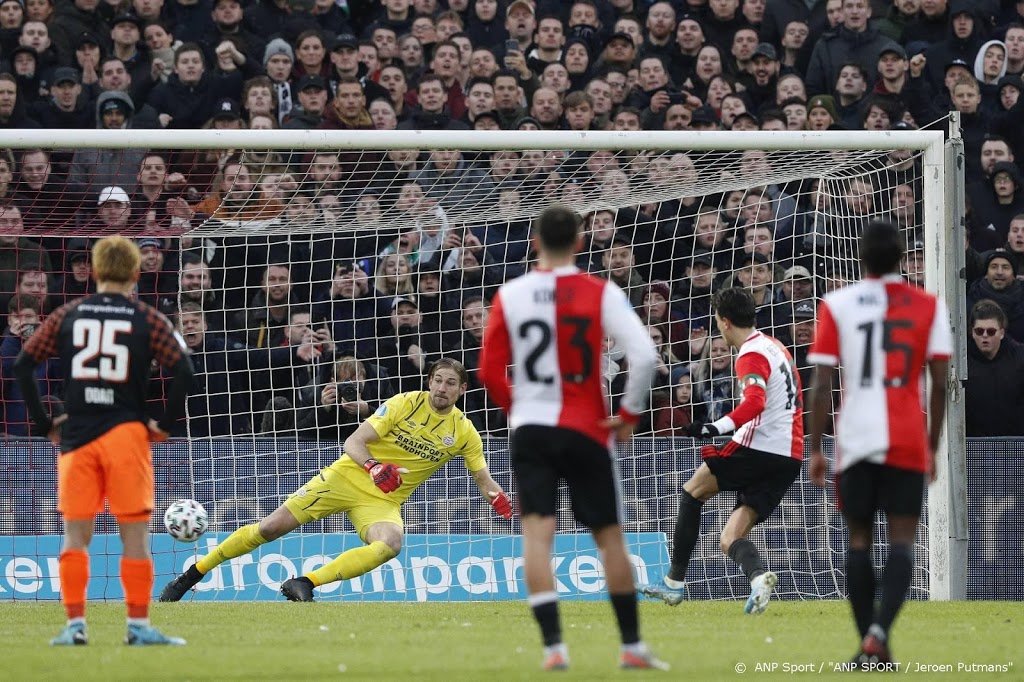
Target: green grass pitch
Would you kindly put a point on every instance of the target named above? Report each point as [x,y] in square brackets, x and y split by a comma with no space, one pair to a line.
[496,641]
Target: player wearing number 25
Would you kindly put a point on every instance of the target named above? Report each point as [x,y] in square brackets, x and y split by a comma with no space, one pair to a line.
[396,449]
[107,343]
[760,462]
[549,325]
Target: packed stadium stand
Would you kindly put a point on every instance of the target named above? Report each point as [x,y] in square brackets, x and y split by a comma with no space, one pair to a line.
[302,333]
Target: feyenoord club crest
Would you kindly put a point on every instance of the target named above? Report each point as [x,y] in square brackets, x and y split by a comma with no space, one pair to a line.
[448,441]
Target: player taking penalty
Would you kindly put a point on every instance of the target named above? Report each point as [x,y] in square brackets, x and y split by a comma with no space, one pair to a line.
[107,343]
[396,449]
[881,331]
[550,325]
[760,462]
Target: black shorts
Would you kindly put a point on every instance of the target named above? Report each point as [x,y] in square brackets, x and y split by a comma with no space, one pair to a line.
[866,488]
[760,479]
[541,455]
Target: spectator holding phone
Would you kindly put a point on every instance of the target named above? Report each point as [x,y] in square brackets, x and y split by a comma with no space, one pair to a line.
[25,314]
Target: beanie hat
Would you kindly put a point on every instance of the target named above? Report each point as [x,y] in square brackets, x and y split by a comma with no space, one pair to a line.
[115,104]
[277,46]
[660,287]
[824,102]
[1003,254]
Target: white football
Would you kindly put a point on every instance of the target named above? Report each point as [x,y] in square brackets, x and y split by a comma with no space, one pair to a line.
[186,520]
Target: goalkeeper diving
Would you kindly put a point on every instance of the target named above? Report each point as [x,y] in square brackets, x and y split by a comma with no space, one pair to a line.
[396,449]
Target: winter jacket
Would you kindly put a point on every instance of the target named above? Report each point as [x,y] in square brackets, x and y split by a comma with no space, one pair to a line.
[779,13]
[942,53]
[12,403]
[49,115]
[95,169]
[991,219]
[995,390]
[842,46]
[67,26]
[464,187]
[190,106]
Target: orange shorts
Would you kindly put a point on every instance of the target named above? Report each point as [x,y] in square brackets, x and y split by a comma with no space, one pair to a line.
[117,467]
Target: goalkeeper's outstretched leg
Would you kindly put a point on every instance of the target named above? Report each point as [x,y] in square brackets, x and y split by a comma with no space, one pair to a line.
[244,540]
[383,543]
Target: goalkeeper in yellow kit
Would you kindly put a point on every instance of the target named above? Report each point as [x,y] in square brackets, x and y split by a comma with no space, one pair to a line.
[410,437]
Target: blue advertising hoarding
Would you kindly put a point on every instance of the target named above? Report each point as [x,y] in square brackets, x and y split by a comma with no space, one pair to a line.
[242,480]
[429,568]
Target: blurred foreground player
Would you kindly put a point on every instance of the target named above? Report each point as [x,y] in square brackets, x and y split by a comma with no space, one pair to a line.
[549,325]
[881,331]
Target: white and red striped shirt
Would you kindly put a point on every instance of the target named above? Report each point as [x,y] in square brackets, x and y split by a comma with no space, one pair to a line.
[881,331]
[550,325]
[770,416]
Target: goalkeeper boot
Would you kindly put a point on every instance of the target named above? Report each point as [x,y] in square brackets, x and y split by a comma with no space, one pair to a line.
[639,657]
[177,588]
[760,591]
[147,635]
[298,589]
[556,657]
[73,634]
[670,591]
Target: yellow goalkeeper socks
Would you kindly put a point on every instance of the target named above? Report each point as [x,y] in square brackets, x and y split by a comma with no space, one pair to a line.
[242,541]
[354,562]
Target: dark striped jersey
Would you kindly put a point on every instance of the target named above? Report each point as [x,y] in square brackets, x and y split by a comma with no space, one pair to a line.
[107,344]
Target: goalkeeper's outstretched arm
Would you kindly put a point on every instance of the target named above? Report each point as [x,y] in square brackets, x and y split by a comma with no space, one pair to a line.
[493,493]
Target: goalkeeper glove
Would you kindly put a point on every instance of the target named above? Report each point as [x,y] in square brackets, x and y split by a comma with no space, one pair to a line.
[701,430]
[387,477]
[501,504]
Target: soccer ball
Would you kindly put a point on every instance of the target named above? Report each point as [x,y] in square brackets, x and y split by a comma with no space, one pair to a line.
[186,520]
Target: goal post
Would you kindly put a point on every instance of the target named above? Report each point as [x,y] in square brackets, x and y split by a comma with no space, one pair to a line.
[672,200]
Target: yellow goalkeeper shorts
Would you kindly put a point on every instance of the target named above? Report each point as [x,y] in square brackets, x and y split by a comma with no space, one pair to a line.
[331,492]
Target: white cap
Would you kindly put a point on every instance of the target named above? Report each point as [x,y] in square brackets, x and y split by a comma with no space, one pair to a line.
[113,194]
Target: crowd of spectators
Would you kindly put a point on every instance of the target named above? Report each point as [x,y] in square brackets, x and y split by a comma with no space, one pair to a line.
[385,267]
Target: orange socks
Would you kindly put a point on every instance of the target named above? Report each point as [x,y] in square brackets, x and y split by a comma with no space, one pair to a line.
[137,581]
[74,577]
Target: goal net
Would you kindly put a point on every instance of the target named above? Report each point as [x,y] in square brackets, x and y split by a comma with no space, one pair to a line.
[314,275]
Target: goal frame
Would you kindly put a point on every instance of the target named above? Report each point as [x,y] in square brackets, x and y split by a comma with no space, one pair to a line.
[943,215]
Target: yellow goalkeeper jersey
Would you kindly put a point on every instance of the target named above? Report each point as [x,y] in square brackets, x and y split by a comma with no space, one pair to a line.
[414,436]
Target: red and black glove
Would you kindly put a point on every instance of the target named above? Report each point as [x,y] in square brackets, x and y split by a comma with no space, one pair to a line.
[387,477]
[502,505]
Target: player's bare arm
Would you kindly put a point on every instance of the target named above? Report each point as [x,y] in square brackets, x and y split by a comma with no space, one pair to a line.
[623,428]
[54,433]
[355,445]
[821,394]
[493,493]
